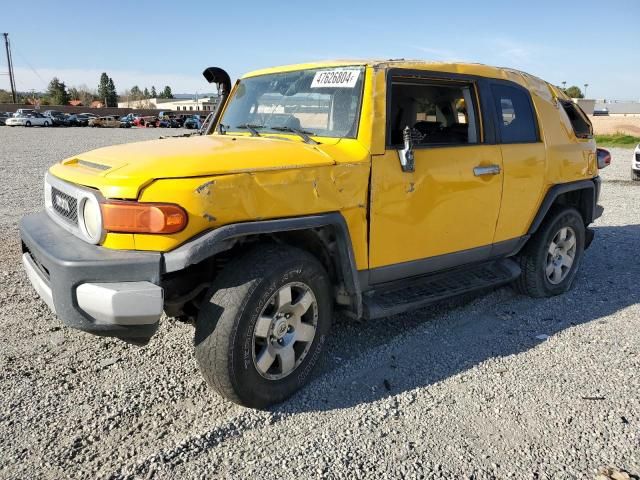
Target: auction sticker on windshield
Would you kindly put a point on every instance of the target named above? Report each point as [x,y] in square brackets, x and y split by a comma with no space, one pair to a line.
[338,78]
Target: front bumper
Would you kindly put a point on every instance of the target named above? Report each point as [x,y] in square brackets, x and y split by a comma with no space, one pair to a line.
[91,288]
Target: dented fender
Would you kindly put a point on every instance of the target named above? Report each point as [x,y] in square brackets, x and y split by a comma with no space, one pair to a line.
[215,201]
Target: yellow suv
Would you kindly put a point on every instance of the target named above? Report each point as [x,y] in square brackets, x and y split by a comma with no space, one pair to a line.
[369,187]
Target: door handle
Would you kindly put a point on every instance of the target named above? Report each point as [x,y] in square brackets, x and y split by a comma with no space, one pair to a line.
[488,170]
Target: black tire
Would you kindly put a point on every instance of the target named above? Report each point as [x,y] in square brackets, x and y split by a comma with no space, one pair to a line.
[224,336]
[46,124]
[27,124]
[635,175]
[533,259]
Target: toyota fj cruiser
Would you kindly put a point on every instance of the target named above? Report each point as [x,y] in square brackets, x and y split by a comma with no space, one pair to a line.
[368,187]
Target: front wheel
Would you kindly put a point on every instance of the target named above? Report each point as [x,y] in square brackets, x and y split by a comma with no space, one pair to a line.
[27,124]
[635,175]
[262,330]
[551,258]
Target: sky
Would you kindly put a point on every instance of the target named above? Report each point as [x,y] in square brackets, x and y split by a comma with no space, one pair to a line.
[161,43]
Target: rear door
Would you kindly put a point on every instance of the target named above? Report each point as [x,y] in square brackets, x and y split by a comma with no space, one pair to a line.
[523,156]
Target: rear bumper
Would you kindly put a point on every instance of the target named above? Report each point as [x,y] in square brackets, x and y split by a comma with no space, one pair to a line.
[101,291]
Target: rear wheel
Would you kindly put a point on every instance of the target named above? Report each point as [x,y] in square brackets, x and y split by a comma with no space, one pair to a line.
[551,258]
[46,124]
[261,332]
[635,175]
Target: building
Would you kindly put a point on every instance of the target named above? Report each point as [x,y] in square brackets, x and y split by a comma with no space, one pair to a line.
[204,104]
[620,108]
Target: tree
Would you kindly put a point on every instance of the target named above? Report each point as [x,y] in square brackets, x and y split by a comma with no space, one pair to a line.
[146,93]
[166,93]
[103,87]
[153,92]
[574,92]
[5,97]
[136,93]
[57,92]
[112,94]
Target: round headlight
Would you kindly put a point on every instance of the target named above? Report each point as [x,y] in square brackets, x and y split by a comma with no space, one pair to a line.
[92,219]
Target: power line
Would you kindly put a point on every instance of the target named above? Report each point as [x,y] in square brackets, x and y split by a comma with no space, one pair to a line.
[44,82]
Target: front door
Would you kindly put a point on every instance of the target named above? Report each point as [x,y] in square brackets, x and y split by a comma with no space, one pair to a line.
[444,213]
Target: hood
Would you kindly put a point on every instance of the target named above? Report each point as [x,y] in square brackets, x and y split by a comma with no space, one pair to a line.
[120,171]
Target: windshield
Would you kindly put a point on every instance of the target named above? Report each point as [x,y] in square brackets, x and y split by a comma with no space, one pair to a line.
[320,102]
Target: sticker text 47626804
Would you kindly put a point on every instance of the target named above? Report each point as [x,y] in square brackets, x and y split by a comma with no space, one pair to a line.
[336,78]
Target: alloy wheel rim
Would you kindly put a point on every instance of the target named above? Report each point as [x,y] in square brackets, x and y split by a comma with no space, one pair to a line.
[561,255]
[285,330]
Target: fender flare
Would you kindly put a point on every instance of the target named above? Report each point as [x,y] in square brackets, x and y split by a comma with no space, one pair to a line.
[592,185]
[224,238]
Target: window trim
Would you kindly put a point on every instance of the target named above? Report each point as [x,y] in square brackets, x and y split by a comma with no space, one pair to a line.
[496,117]
[482,103]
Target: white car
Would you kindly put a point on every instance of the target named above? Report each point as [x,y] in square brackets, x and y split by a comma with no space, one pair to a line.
[635,164]
[29,120]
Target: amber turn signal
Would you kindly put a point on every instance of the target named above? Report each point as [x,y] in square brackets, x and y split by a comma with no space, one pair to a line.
[134,217]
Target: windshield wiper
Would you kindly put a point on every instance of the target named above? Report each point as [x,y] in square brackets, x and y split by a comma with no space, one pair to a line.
[252,128]
[304,134]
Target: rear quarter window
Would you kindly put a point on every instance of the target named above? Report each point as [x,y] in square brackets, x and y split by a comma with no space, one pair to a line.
[516,119]
[579,121]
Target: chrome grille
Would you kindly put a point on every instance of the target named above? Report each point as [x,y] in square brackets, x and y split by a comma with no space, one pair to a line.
[65,205]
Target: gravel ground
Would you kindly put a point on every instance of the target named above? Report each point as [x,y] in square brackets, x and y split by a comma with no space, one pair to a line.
[489,386]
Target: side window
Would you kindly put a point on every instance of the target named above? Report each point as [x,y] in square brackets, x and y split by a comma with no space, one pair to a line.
[579,121]
[515,115]
[438,113]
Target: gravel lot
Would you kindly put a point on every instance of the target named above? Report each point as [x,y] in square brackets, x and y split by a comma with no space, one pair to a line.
[469,389]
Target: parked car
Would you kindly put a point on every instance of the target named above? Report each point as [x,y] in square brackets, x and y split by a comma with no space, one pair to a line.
[50,113]
[4,116]
[77,120]
[108,121]
[599,112]
[58,119]
[392,195]
[635,164]
[168,122]
[193,121]
[21,112]
[29,120]
[145,121]
[129,117]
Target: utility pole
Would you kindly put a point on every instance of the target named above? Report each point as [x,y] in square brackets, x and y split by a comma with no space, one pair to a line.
[585,89]
[10,65]
[564,85]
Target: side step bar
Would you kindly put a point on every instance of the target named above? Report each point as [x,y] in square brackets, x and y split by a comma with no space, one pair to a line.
[418,292]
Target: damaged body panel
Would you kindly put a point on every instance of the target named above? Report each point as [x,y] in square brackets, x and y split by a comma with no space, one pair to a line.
[253,196]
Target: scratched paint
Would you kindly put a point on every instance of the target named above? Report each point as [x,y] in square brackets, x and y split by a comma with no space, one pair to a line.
[247,196]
